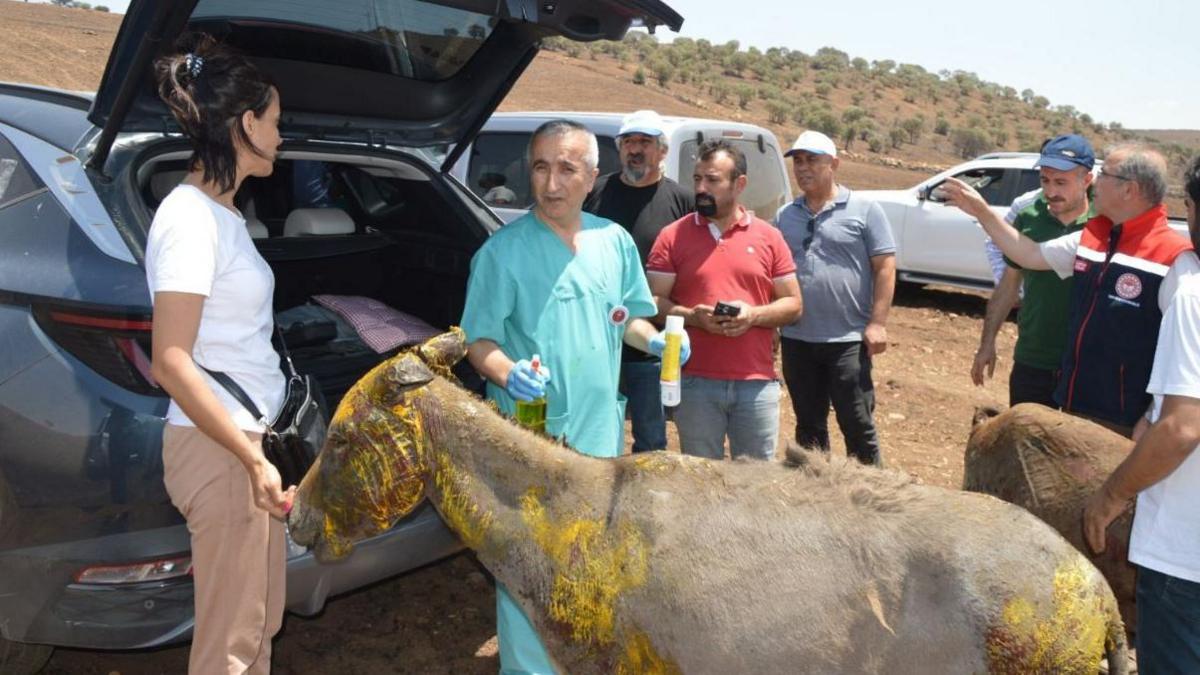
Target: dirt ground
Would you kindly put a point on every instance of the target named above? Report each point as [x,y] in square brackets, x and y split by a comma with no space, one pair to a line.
[441,619]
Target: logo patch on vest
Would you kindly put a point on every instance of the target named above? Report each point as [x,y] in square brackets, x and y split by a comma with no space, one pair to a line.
[1129,286]
[1081,265]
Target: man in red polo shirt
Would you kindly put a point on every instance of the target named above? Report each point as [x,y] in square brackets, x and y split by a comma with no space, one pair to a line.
[731,276]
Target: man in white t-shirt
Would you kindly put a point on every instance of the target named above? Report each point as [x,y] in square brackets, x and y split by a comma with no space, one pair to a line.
[1126,263]
[1163,472]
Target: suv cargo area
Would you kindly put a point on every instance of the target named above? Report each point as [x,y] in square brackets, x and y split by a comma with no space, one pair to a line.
[381,236]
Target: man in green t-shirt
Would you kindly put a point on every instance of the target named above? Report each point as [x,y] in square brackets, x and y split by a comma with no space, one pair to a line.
[1060,207]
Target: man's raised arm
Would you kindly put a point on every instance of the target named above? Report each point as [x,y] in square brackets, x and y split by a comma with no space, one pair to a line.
[1019,248]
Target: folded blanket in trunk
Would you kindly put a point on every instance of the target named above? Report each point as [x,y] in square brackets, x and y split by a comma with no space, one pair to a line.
[381,327]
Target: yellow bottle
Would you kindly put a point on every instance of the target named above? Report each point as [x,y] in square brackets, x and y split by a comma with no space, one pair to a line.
[532,414]
[668,378]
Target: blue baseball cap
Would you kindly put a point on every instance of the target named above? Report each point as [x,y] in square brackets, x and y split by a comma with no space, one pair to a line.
[1067,152]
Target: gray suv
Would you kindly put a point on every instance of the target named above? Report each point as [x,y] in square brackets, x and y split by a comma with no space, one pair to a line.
[379,98]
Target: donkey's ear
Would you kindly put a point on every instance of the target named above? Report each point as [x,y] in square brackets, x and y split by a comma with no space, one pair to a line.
[982,414]
[397,376]
[445,350]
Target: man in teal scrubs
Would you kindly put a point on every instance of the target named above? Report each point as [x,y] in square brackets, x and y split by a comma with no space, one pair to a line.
[568,286]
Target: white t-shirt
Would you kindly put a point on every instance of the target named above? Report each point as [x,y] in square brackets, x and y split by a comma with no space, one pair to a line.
[1060,255]
[995,256]
[198,246]
[1166,526]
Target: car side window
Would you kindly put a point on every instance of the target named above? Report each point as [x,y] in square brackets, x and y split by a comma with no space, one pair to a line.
[499,172]
[16,179]
[991,184]
[994,185]
[1028,180]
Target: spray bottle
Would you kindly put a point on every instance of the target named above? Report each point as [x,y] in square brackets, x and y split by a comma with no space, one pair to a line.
[532,414]
[668,377]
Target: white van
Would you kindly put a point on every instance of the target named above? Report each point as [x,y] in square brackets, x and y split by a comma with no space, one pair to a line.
[494,165]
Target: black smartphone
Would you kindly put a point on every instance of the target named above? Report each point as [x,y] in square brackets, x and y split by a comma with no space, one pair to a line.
[722,309]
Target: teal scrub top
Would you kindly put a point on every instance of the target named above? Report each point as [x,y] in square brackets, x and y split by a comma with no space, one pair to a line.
[530,294]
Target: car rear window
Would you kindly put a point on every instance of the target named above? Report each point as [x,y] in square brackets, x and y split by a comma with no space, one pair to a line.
[408,38]
[766,184]
[499,173]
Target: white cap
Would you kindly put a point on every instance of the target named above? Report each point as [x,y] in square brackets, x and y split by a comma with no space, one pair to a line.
[814,142]
[674,323]
[645,122]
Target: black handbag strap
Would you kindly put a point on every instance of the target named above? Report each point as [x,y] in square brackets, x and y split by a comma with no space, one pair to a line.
[240,394]
[287,355]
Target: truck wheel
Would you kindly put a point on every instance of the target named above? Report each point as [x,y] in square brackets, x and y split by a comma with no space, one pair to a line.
[22,658]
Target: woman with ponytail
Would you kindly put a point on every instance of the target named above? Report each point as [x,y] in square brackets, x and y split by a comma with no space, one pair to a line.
[212,295]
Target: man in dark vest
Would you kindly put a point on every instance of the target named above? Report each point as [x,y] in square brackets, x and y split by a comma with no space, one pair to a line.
[1127,266]
[1163,473]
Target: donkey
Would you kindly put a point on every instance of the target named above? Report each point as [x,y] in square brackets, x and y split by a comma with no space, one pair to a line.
[662,563]
[1050,463]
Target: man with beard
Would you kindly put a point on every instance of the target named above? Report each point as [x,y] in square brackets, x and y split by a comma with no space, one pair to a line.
[846,262]
[731,277]
[1163,473]
[643,201]
[1126,262]
[1061,207]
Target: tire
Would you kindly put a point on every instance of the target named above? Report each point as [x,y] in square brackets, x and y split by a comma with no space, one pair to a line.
[22,658]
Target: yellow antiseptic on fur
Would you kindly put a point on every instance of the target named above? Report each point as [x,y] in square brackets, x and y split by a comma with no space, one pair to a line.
[593,566]
[654,461]
[457,507]
[640,658]
[1071,639]
[384,476]
[358,396]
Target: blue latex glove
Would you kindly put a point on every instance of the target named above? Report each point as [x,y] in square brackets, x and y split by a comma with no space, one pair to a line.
[659,342]
[524,384]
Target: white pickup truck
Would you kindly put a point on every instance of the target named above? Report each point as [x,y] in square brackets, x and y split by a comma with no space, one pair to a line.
[497,157]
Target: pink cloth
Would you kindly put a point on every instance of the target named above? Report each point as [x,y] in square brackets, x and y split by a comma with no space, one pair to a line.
[382,328]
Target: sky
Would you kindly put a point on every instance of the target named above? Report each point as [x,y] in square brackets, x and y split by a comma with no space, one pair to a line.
[1130,62]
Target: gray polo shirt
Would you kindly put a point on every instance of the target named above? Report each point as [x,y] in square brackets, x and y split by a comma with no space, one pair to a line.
[834,268]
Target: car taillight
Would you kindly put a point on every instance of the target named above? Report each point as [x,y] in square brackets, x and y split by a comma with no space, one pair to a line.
[116,346]
[136,573]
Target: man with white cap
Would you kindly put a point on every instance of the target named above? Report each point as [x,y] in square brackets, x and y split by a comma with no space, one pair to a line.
[643,201]
[846,263]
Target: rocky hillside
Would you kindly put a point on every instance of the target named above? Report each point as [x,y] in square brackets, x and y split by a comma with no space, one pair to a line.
[881,111]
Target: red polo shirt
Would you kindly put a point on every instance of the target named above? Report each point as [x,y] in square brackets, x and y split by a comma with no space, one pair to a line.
[741,264]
